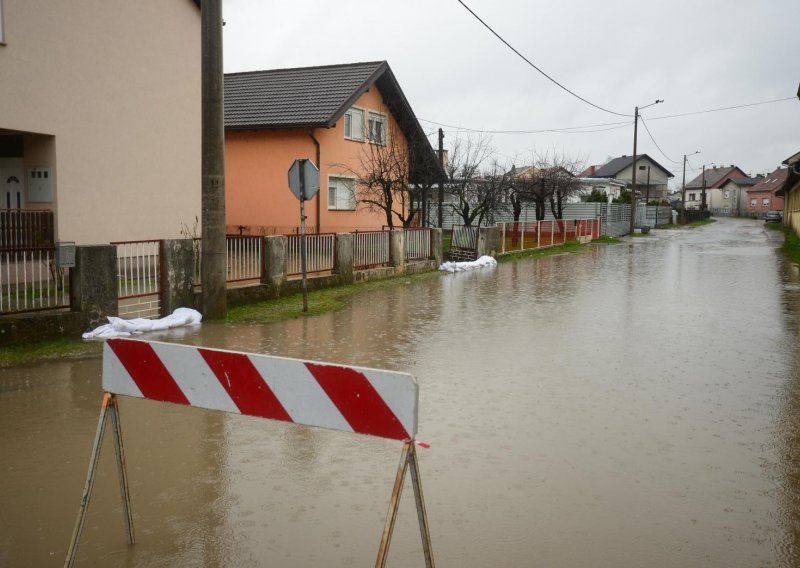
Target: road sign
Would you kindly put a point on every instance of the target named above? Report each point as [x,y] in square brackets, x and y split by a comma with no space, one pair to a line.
[304,179]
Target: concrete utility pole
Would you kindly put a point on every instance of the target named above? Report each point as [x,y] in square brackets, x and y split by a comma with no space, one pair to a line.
[213,272]
[441,181]
[683,187]
[703,194]
[633,169]
[633,166]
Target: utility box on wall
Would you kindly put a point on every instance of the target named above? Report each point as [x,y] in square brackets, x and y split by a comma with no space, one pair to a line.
[40,185]
[65,254]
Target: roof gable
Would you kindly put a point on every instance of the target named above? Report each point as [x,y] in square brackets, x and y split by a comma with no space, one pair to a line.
[299,97]
[772,182]
[716,177]
[615,166]
[317,97]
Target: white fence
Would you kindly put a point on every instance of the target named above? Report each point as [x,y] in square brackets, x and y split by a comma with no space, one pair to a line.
[417,244]
[30,281]
[243,258]
[320,253]
[139,278]
[371,248]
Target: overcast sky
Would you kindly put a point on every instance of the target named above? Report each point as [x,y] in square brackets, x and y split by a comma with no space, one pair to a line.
[694,54]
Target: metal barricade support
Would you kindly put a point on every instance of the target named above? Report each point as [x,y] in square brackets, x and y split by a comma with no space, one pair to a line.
[352,399]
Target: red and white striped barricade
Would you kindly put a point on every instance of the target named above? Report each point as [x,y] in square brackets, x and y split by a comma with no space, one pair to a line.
[352,399]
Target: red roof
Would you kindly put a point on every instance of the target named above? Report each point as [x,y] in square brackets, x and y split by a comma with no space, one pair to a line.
[772,182]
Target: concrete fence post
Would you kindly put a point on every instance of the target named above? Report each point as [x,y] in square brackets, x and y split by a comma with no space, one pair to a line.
[397,250]
[177,275]
[343,260]
[275,269]
[94,283]
[488,241]
[437,246]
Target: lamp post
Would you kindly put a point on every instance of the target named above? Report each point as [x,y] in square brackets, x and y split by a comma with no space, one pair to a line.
[633,168]
[683,187]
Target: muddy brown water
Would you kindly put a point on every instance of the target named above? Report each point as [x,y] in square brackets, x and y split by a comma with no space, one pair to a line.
[637,405]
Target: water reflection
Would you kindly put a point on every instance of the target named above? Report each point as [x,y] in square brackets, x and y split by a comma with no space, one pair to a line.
[639,399]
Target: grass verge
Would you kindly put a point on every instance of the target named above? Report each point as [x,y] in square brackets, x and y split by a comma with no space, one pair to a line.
[568,248]
[791,245]
[319,301]
[62,348]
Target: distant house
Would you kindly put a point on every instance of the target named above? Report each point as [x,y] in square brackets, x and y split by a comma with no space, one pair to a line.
[621,169]
[791,193]
[715,179]
[766,195]
[334,115]
[100,116]
[731,197]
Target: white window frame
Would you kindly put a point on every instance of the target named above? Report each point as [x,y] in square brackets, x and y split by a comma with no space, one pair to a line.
[726,195]
[383,119]
[765,202]
[340,204]
[753,202]
[348,116]
[691,197]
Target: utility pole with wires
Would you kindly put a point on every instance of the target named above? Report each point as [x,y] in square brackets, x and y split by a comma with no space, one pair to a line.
[441,181]
[633,165]
[683,187]
[213,269]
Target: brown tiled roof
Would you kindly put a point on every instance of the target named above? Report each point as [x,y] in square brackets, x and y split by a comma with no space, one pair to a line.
[616,165]
[317,97]
[715,177]
[772,182]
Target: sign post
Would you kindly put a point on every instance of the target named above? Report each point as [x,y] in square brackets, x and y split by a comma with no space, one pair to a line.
[353,399]
[304,184]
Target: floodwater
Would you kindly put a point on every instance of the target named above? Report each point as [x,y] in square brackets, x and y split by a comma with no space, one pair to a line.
[636,405]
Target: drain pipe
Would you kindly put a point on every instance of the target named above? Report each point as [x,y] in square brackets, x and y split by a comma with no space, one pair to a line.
[319,193]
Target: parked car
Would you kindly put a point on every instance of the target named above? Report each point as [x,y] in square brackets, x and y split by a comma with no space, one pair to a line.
[773,217]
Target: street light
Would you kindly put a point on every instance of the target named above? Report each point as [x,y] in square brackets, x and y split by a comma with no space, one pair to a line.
[683,187]
[633,176]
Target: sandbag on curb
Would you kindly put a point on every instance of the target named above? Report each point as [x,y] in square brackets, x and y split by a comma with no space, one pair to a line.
[118,327]
[482,262]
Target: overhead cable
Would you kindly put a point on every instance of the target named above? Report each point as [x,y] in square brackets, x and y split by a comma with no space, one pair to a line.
[529,62]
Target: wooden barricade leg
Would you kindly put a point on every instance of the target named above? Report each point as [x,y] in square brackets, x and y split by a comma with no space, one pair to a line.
[122,470]
[424,529]
[407,458]
[109,406]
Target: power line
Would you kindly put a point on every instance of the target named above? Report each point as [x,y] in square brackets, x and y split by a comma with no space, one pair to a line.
[656,143]
[723,108]
[566,129]
[529,62]
[615,124]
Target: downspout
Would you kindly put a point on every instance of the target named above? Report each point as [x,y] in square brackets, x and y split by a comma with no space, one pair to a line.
[319,193]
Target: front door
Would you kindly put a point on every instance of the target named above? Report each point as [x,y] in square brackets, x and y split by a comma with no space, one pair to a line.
[12,184]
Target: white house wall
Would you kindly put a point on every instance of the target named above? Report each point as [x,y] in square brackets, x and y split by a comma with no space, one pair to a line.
[115,87]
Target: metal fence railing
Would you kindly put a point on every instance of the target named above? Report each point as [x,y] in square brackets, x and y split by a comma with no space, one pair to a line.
[371,248]
[320,253]
[519,236]
[31,281]
[26,229]
[463,243]
[139,278]
[418,244]
[244,260]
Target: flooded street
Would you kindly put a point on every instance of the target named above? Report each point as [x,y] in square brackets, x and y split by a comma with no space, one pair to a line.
[636,405]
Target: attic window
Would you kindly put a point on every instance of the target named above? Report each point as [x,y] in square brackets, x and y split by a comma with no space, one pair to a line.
[353,124]
[377,128]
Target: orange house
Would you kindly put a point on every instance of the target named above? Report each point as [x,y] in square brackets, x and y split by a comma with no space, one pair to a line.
[332,115]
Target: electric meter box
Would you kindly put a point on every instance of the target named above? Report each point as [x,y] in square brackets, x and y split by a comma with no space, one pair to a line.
[40,185]
[65,254]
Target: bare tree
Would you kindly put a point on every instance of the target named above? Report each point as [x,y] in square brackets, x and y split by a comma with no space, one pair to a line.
[550,181]
[383,179]
[475,179]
